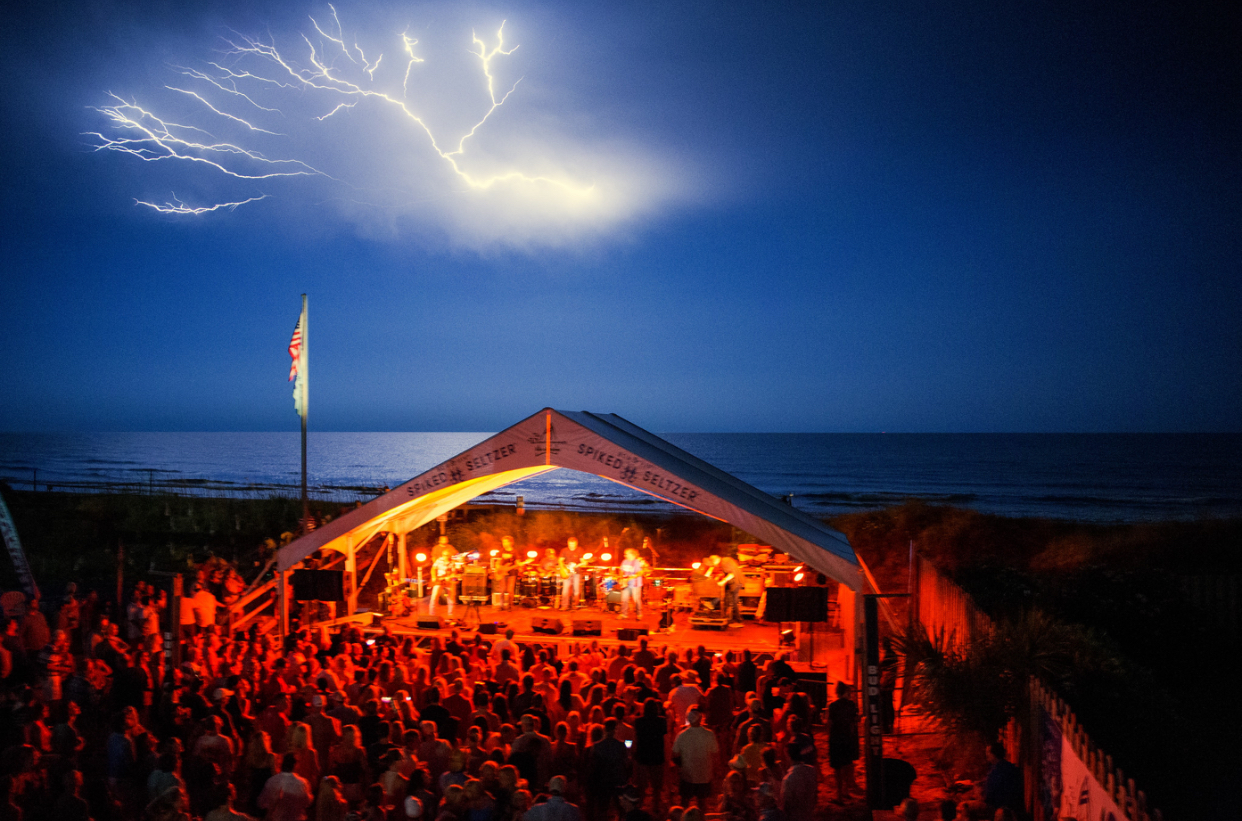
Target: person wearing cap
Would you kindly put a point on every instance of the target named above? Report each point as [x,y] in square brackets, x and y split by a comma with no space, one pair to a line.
[556,808]
[325,730]
[694,753]
[631,799]
[683,695]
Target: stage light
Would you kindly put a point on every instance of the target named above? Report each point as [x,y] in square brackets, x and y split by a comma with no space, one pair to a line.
[587,556]
[495,552]
[787,638]
[607,557]
[530,554]
[697,565]
[798,576]
[421,557]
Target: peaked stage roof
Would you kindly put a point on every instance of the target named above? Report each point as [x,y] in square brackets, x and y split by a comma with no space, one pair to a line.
[605,445]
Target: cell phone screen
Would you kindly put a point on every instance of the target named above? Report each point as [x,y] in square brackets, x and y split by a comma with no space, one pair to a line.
[629,742]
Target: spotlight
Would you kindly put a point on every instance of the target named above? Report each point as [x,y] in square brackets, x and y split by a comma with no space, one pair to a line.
[697,565]
[798,576]
[586,557]
[495,552]
[530,554]
[606,557]
[421,557]
[787,637]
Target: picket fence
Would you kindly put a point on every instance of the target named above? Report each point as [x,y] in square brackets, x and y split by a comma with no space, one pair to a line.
[946,610]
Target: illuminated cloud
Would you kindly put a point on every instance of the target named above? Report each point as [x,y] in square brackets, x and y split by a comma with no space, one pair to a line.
[386,131]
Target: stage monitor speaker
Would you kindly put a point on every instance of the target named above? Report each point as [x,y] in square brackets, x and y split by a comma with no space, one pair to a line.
[474,583]
[488,628]
[588,627]
[631,633]
[318,585]
[430,623]
[550,626]
[808,604]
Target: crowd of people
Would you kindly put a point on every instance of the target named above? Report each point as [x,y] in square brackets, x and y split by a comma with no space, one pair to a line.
[99,723]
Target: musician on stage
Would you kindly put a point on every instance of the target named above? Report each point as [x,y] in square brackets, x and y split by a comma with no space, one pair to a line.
[443,577]
[505,572]
[727,573]
[633,568]
[571,559]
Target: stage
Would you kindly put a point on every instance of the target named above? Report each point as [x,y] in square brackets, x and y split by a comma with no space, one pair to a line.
[762,638]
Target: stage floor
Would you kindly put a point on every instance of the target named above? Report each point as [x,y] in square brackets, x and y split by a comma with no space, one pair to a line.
[759,637]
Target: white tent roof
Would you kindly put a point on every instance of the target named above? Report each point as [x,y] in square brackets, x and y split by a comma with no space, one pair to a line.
[605,445]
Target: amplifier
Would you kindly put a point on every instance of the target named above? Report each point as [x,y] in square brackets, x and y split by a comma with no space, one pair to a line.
[588,627]
[752,583]
[630,633]
[488,628]
[474,583]
[430,623]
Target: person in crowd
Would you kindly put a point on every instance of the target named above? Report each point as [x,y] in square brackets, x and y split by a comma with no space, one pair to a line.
[286,796]
[843,740]
[694,752]
[556,808]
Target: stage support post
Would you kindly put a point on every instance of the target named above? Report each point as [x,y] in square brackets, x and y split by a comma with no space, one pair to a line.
[351,570]
[402,561]
[873,728]
[282,602]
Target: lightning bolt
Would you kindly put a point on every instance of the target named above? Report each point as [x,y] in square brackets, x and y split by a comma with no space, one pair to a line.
[176,206]
[254,70]
[154,139]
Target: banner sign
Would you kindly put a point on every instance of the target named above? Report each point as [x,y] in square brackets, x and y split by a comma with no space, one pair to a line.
[16,554]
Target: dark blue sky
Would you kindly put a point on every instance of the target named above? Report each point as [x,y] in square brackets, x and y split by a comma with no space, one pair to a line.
[805,217]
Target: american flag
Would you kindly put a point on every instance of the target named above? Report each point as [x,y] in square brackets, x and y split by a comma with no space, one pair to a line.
[295,349]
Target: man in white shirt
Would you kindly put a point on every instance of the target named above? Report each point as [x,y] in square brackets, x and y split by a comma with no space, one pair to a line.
[681,698]
[694,753]
[800,788]
[286,796]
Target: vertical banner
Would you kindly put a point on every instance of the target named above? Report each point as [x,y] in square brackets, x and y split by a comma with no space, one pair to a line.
[871,704]
[16,553]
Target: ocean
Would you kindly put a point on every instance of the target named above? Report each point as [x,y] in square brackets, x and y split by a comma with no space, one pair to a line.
[1086,477]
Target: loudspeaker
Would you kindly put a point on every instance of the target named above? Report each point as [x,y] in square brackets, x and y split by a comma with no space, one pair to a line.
[552,626]
[631,633]
[318,585]
[474,583]
[588,627]
[808,604]
[488,628]
[430,623]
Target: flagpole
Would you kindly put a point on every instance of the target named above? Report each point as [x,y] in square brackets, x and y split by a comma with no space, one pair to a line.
[305,379]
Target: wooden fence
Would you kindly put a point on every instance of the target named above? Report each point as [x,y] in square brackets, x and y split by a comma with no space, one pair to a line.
[1218,597]
[1111,785]
[944,609]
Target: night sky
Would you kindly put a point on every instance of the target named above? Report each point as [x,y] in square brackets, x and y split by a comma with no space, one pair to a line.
[748,217]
